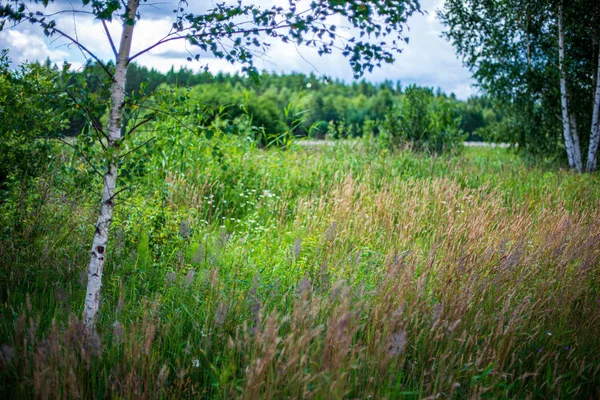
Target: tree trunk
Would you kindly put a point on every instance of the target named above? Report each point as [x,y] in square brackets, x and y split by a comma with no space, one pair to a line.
[595,132]
[99,247]
[563,90]
[528,38]
[576,145]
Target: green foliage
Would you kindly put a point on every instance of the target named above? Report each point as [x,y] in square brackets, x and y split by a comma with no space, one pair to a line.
[512,48]
[424,121]
[318,100]
[32,110]
[477,114]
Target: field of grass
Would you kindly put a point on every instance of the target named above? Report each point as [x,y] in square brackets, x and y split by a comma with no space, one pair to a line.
[340,271]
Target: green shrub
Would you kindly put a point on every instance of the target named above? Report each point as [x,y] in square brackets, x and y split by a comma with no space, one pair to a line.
[423,121]
[31,112]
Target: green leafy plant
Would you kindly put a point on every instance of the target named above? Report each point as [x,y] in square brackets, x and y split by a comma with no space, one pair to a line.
[32,111]
[423,121]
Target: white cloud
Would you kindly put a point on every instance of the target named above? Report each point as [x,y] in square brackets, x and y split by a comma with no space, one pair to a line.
[29,47]
[427,59]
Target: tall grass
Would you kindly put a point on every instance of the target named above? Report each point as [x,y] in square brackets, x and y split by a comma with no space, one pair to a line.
[341,272]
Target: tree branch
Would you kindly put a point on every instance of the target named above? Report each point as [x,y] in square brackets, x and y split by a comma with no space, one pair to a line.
[142,122]
[197,36]
[97,127]
[81,155]
[137,147]
[112,44]
[162,41]
[76,43]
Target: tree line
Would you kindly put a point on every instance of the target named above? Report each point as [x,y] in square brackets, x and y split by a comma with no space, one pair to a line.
[332,106]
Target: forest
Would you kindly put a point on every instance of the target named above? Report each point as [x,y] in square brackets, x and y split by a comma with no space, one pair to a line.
[268,235]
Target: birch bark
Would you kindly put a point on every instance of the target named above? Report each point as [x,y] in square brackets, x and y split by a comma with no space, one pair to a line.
[99,247]
[595,132]
[563,90]
[576,146]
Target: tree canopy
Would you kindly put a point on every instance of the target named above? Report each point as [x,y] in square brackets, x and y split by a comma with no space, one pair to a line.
[512,48]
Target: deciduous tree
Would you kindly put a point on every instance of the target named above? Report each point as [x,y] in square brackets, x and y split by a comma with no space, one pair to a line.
[540,58]
[236,32]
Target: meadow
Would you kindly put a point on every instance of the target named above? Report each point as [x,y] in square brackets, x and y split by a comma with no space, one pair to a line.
[342,271]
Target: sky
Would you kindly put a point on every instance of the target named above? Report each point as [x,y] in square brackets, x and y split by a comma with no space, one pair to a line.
[427,59]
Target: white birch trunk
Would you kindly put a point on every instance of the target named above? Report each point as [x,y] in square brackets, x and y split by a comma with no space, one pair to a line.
[563,90]
[576,145]
[595,132]
[99,247]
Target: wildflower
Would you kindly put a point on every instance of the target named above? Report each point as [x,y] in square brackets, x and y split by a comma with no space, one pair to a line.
[221,314]
[254,307]
[195,363]
[437,312]
[297,247]
[184,229]
[93,343]
[199,256]
[303,286]
[330,232]
[549,333]
[224,237]
[60,295]
[180,258]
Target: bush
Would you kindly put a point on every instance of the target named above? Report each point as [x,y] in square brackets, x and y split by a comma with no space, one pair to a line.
[30,114]
[234,103]
[423,121]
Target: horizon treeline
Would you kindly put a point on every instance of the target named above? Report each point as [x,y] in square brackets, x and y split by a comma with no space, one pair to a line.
[331,107]
[324,100]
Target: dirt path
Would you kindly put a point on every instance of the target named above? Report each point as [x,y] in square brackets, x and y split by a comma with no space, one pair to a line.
[311,142]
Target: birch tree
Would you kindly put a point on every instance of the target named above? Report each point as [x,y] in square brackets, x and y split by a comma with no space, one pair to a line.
[536,57]
[595,130]
[235,32]
[568,121]
[100,241]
